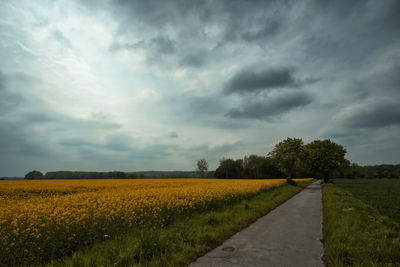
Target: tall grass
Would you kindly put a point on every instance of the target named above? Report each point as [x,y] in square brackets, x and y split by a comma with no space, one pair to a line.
[357,234]
[382,194]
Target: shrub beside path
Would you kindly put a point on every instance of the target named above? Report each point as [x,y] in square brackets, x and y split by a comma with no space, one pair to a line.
[290,235]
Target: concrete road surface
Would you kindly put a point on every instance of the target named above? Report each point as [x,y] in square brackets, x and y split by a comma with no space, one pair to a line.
[287,236]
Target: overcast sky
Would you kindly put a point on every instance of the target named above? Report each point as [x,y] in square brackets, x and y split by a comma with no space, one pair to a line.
[156,85]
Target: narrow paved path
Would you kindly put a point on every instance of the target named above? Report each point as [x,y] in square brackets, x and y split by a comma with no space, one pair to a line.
[287,236]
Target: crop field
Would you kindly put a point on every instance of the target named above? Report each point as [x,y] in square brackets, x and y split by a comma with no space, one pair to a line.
[42,220]
[361,222]
[382,194]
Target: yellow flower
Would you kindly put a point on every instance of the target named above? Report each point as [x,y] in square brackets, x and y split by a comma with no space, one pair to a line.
[49,211]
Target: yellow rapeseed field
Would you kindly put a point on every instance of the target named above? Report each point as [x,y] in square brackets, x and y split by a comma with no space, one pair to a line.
[44,219]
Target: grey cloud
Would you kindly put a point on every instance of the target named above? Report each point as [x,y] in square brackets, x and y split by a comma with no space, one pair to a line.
[201,106]
[164,45]
[67,123]
[339,7]
[117,143]
[193,59]
[255,78]
[15,138]
[38,117]
[227,124]
[371,116]
[195,110]
[269,29]
[11,95]
[190,45]
[272,107]
[8,100]
[206,111]
[159,44]
[360,29]
[173,135]
[339,132]
[60,37]
[78,142]
[219,149]
[237,21]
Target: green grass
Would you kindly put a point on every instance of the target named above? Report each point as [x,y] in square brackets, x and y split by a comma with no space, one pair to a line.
[382,194]
[356,233]
[185,239]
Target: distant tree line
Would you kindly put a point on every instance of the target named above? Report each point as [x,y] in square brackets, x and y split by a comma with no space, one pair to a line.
[353,170]
[81,175]
[290,158]
[116,174]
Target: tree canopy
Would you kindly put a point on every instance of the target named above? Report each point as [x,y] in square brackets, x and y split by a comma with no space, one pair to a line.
[287,155]
[324,158]
[34,175]
[291,158]
[229,169]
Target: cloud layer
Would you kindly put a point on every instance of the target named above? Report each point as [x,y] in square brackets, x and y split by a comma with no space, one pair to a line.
[156,85]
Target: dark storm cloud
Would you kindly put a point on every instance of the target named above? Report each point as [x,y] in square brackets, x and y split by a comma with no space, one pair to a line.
[372,116]
[193,25]
[272,107]
[359,30]
[163,14]
[253,79]
[190,50]
[369,104]
[16,138]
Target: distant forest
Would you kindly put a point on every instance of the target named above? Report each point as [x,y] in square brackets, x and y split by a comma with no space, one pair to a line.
[374,171]
[116,175]
[291,158]
[352,171]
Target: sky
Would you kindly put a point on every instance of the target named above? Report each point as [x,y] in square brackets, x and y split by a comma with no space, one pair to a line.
[157,85]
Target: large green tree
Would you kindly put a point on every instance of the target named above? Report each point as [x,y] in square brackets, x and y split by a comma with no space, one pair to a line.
[324,158]
[287,155]
[260,167]
[229,169]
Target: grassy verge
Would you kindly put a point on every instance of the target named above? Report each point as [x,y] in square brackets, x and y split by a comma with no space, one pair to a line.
[185,239]
[357,234]
[382,194]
